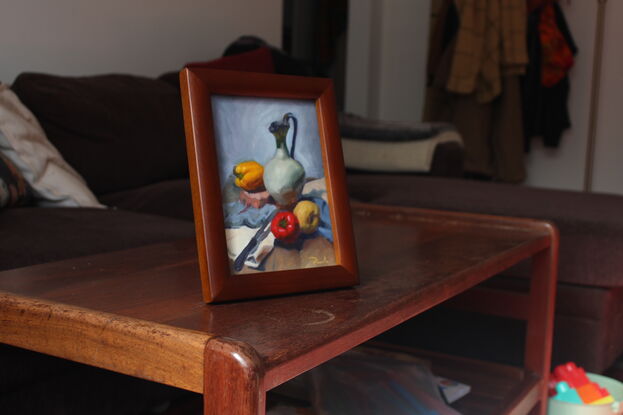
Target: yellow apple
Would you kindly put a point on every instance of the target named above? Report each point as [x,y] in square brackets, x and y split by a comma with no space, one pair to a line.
[308,214]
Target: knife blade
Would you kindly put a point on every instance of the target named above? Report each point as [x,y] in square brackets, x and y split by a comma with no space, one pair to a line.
[259,236]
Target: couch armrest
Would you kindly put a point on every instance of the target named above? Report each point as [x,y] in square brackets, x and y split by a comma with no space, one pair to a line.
[381,146]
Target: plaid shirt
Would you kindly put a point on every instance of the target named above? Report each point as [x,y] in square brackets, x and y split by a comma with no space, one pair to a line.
[491,41]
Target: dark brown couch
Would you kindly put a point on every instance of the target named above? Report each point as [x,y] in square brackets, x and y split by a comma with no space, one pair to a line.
[124,135]
[589,306]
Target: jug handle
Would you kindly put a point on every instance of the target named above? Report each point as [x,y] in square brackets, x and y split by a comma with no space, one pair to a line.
[290,116]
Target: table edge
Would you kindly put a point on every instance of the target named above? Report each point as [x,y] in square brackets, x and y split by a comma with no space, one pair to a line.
[148,350]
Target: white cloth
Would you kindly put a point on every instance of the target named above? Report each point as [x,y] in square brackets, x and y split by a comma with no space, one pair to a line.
[238,238]
[23,141]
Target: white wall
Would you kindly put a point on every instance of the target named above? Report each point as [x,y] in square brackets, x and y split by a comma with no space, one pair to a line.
[386,58]
[608,162]
[404,48]
[361,33]
[146,37]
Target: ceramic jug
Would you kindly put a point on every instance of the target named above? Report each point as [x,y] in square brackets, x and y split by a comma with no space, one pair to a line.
[283,175]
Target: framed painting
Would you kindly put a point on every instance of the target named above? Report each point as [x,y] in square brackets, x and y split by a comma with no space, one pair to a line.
[268,184]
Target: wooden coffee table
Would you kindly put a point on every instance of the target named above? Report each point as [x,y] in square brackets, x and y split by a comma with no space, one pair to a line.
[140,312]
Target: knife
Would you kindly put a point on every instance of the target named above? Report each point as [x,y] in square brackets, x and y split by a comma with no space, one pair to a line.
[259,236]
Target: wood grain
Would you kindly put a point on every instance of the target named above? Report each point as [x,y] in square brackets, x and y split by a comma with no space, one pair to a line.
[143,312]
[233,379]
[203,169]
[139,348]
[539,331]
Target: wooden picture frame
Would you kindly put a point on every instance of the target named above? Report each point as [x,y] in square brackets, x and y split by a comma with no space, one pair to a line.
[207,90]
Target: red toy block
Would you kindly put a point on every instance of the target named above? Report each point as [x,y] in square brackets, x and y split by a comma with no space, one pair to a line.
[570,373]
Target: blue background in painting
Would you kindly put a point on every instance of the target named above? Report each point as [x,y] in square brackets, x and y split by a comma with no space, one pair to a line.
[241,131]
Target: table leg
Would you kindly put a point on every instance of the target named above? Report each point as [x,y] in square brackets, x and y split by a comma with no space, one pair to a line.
[540,324]
[232,379]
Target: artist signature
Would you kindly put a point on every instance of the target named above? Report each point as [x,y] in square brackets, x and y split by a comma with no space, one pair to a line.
[314,260]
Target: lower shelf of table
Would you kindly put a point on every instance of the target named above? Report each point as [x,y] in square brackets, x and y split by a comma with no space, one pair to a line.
[495,388]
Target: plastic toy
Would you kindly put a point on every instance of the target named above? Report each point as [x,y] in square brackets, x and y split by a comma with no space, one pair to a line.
[591,392]
[570,373]
[567,394]
[604,400]
[572,385]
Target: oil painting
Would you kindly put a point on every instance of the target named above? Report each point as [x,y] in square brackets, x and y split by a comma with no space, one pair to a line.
[272,180]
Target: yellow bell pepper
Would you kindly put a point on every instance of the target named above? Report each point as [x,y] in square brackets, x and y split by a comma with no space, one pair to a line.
[249,175]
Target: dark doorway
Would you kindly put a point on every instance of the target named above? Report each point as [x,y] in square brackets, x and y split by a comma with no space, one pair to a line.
[314,31]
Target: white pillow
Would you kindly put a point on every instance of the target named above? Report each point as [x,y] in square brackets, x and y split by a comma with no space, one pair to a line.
[23,141]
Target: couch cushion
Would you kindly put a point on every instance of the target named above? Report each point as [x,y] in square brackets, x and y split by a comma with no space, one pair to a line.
[591,341]
[591,225]
[586,329]
[258,60]
[36,235]
[284,63]
[168,198]
[118,131]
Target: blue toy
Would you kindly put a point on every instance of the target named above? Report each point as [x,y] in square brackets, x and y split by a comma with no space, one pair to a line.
[567,394]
